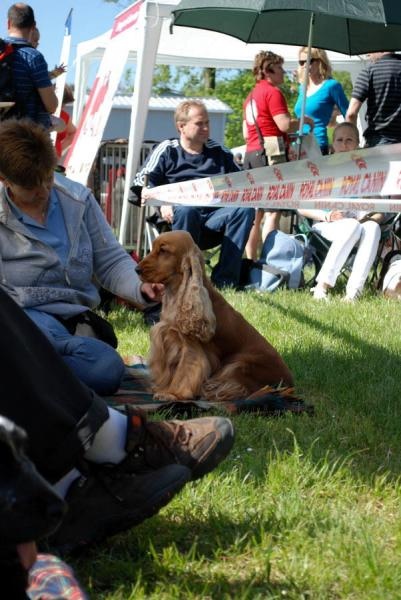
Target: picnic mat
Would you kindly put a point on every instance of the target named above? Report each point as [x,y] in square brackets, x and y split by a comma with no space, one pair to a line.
[270,401]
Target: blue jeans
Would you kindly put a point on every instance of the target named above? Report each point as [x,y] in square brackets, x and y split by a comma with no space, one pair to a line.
[94,362]
[210,227]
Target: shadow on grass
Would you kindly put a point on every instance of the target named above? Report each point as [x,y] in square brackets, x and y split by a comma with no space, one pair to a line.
[186,565]
[358,408]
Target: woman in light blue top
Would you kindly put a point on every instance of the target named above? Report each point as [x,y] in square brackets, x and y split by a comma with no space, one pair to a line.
[323,94]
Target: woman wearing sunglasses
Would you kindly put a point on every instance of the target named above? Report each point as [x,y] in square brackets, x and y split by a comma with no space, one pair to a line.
[323,93]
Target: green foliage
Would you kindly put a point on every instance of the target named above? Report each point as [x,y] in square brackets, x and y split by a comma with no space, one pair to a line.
[126,85]
[162,80]
[233,90]
[345,79]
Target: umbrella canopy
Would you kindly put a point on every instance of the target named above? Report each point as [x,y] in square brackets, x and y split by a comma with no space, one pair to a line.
[349,27]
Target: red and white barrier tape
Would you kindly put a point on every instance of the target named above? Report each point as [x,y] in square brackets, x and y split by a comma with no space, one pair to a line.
[360,180]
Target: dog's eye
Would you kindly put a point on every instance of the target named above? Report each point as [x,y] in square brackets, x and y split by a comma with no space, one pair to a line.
[162,250]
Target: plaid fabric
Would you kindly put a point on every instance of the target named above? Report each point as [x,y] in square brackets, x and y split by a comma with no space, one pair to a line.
[269,401]
[52,579]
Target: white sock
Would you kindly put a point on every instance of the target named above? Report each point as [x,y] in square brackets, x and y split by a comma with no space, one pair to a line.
[109,442]
[62,486]
[108,446]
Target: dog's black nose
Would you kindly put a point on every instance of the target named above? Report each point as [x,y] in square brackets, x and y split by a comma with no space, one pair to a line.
[138,269]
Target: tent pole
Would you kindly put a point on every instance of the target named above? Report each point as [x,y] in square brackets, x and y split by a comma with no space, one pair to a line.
[304,86]
[147,49]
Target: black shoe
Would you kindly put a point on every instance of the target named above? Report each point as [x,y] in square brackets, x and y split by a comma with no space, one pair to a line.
[109,501]
[199,444]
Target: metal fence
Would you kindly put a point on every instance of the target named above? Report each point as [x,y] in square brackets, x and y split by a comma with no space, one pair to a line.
[108,183]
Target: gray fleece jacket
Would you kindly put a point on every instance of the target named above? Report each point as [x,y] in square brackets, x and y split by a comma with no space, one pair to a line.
[32,273]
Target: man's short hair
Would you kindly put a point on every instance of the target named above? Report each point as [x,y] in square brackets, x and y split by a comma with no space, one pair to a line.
[27,156]
[182,110]
[21,16]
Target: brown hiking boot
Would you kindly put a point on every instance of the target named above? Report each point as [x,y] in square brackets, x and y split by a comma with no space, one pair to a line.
[199,444]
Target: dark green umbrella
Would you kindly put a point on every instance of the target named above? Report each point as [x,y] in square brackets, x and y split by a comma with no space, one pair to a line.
[346,26]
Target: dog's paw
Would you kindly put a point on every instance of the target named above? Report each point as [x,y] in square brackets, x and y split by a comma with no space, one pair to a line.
[165,397]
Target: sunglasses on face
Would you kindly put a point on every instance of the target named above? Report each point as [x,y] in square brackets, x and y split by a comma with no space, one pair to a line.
[303,62]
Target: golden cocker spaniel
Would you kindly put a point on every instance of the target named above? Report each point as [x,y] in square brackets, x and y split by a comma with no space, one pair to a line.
[202,347]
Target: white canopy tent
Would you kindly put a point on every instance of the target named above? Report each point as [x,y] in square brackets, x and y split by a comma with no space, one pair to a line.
[154,44]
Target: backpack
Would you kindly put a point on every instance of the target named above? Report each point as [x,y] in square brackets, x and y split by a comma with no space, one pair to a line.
[7,88]
[281,262]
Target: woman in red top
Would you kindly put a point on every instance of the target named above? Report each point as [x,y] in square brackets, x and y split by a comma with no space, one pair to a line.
[65,137]
[267,140]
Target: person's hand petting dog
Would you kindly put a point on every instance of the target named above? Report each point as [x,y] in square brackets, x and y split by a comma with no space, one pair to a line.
[152,292]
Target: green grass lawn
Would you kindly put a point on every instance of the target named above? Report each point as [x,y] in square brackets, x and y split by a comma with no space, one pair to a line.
[304,507]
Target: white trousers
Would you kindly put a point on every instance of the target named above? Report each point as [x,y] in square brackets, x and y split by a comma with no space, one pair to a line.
[344,234]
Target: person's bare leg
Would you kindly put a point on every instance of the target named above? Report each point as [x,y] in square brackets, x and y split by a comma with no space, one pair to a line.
[251,248]
[271,222]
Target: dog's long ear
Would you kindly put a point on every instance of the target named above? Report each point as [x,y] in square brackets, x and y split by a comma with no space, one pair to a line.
[195,314]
